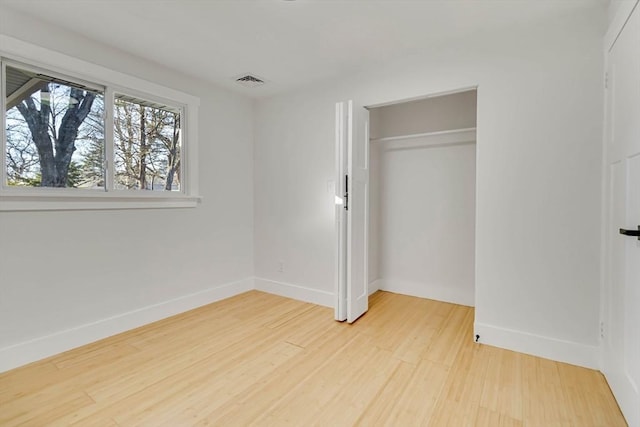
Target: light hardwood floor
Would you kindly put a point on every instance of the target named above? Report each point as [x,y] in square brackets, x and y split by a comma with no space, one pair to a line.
[260,359]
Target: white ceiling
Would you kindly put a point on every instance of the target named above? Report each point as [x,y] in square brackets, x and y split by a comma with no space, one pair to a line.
[288,43]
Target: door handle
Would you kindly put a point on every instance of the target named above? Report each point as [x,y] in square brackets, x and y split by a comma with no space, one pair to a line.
[631,232]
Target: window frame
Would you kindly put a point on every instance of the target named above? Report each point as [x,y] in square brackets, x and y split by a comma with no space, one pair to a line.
[23,55]
[110,148]
[9,189]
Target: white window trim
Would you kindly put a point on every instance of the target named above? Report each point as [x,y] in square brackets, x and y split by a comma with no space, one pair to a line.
[17,199]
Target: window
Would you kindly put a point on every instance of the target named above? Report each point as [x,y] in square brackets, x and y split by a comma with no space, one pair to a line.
[54,132]
[146,145]
[69,141]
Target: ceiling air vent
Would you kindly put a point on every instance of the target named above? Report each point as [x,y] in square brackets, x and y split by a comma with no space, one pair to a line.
[249,80]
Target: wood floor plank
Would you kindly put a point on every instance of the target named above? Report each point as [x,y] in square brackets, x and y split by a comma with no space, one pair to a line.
[43,408]
[27,379]
[503,384]
[283,382]
[260,359]
[421,395]
[380,409]
[161,403]
[328,401]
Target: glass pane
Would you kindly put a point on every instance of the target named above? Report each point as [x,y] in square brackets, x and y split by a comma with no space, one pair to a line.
[55,132]
[146,145]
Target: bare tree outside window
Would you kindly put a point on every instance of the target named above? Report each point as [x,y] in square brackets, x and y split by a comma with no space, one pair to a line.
[54,132]
[55,137]
[146,145]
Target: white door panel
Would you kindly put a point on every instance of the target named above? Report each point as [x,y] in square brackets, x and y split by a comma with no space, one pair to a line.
[632,280]
[357,212]
[621,344]
[352,217]
[340,212]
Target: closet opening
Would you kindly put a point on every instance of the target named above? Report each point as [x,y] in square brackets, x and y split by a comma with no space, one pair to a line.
[422,197]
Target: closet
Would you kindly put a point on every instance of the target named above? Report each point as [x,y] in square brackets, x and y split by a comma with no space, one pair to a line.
[422,181]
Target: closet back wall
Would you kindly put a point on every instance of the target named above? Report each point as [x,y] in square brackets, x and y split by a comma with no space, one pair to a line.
[423,200]
[454,111]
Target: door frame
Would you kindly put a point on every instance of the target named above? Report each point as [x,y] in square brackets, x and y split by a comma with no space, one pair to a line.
[341,252]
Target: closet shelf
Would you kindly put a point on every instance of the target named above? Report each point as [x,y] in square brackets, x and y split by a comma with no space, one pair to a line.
[422,135]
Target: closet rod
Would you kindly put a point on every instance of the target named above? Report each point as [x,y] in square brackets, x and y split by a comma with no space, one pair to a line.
[420,135]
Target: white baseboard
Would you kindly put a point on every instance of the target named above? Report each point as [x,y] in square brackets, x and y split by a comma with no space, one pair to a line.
[300,293]
[49,345]
[423,290]
[626,394]
[42,347]
[374,286]
[537,345]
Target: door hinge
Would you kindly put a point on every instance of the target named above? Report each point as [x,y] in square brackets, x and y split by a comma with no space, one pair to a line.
[606,80]
[346,192]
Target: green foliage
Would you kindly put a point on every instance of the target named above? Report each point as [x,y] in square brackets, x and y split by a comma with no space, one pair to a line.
[75,178]
[25,181]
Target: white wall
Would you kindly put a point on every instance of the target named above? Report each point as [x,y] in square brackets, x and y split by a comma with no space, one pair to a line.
[615,5]
[375,206]
[428,223]
[294,209]
[538,178]
[68,271]
[422,239]
[452,111]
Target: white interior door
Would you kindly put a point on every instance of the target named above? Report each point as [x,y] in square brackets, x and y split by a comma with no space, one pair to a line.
[352,222]
[621,310]
[341,213]
[357,211]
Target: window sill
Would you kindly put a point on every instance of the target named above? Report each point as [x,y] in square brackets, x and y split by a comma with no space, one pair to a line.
[95,201]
